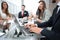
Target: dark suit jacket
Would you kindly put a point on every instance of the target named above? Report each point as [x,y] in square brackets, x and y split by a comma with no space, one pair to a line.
[53,22]
[25,14]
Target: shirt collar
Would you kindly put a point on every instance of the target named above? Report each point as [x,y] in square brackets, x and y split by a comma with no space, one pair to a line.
[58,3]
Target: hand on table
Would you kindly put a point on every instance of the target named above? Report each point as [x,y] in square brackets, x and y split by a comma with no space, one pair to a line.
[29,25]
[39,20]
[36,30]
[24,18]
[1,21]
[8,18]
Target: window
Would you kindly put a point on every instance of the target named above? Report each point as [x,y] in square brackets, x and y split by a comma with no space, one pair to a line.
[31,5]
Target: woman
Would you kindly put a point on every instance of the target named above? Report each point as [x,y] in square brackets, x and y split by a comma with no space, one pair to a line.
[42,13]
[5,15]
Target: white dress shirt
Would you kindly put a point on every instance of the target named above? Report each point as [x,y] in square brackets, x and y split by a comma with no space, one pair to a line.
[59,6]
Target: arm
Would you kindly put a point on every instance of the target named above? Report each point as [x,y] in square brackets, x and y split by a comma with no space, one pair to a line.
[49,34]
[45,24]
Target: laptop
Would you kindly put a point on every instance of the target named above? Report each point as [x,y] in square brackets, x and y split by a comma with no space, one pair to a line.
[1,34]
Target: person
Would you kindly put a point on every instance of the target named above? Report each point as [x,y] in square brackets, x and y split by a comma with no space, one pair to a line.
[5,16]
[42,13]
[23,13]
[53,22]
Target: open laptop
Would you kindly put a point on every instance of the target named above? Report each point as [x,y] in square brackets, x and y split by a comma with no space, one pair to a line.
[1,34]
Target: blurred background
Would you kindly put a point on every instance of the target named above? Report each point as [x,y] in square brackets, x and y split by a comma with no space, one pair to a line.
[31,5]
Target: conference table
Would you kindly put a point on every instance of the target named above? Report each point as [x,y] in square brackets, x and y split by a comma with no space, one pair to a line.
[18,25]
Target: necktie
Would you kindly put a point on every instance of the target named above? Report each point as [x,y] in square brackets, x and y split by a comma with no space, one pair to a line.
[22,14]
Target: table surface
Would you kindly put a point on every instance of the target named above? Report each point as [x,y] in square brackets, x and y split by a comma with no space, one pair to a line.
[26,35]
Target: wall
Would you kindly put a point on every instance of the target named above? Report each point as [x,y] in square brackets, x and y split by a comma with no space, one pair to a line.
[51,5]
[0,4]
[31,5]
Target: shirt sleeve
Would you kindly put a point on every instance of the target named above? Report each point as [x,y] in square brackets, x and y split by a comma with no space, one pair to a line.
[49,34]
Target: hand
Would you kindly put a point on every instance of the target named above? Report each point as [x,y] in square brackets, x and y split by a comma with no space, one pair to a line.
[1,21]
[24,18]
[36,30]
[8,18]
[39,20]
[29,25]
[30,18]
[26,25]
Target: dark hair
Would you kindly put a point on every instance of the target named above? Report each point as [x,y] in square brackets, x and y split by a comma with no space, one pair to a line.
[44,4]
[23,5]
[6,11]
